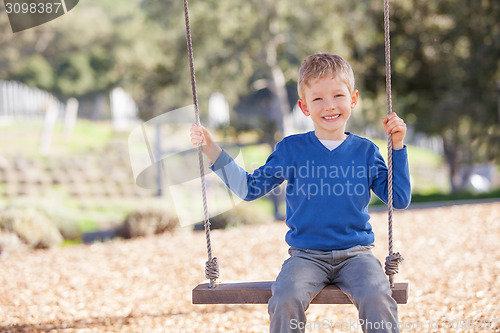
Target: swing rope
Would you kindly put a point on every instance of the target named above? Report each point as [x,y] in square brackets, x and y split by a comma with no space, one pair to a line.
[211,265]
[393,260]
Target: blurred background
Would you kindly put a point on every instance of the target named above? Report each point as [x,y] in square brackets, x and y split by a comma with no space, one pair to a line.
[73,89]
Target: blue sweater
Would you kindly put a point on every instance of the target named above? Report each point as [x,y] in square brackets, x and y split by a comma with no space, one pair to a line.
[327,192]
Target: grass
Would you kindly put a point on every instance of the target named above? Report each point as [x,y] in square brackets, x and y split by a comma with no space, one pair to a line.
[70,242]
[86,135]
[422,163]
[425,190]
[255,155]
[462,195]
[445,196]
[416,155]
[86,225]
[92,214]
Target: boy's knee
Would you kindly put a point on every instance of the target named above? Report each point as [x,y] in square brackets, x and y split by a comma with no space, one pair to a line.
[374,296]
[288,302]
[284,300]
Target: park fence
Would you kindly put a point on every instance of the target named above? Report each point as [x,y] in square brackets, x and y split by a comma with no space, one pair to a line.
[20,102]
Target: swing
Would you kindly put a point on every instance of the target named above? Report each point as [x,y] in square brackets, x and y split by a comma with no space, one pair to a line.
[259,292]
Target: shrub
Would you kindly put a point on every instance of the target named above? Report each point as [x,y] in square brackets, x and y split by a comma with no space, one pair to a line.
[62,217]
[31,226]
[243,214]
[64,220]
[9,242]
[147,221]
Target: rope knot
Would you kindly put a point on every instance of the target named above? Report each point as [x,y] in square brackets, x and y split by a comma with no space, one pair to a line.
[392,262]
[212,269]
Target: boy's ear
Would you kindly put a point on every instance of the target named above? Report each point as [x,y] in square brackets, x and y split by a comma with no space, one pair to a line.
[303,107]
[354,99]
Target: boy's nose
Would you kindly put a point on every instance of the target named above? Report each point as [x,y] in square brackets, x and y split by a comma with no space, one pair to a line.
[330,105]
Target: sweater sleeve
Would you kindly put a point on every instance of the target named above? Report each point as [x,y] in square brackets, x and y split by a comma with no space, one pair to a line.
[250,186]
[401,178]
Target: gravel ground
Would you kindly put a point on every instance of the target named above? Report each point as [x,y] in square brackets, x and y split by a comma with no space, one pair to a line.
[144,285]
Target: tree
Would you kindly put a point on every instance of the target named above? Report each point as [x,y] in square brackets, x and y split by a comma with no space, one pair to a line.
[256,44]
[446,71]
[93,48]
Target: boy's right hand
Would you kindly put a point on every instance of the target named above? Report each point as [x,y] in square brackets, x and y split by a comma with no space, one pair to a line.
[201,136]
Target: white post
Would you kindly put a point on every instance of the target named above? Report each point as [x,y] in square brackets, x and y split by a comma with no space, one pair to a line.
[48,126]
[218,111]
[70,116]
[3,97]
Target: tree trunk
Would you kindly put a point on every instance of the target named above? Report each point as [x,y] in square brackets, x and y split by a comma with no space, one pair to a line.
[282,106]
[459,167]
[279,87]
[278,81]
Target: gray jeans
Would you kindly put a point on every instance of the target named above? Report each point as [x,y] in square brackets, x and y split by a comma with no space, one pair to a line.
[356,271]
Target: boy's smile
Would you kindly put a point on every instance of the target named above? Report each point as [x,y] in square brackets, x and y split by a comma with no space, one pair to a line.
[328,102]
[328,118]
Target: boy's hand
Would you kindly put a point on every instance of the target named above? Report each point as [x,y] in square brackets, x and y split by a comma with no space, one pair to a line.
[397,127]
[200,135]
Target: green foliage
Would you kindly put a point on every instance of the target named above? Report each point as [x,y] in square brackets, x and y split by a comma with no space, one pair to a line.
[446,74]
[35,71]
[90,49]
[74,75]
[438,196]
[445,56]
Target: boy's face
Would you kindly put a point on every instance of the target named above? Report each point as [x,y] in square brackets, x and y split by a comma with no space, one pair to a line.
[328,101]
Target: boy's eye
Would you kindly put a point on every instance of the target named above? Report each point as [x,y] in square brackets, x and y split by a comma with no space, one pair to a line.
[339,95]
[316,99]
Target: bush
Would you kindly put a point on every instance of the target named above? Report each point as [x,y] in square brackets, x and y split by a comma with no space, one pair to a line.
[61,217]
[31,226]
[147,221]
[9,242]
[64,220]
[243,214]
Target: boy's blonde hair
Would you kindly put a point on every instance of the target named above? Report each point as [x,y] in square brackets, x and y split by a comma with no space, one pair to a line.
[319,65]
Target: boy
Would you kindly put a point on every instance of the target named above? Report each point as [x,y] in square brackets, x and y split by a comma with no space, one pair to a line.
[329,174]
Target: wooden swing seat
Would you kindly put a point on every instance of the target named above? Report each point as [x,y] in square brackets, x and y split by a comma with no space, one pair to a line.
[260,292]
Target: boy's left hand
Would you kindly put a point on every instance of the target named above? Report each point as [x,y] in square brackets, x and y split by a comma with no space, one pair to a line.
[397,127]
